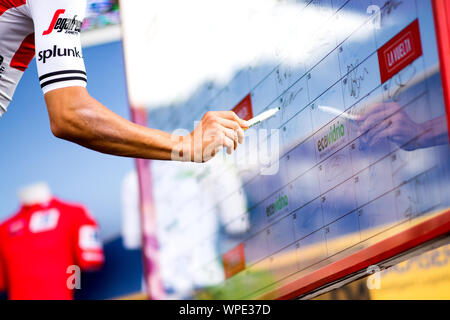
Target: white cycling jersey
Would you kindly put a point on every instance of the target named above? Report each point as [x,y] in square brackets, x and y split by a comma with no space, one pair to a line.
[49,29]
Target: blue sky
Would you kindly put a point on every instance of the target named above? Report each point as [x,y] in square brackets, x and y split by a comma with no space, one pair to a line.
[29,153]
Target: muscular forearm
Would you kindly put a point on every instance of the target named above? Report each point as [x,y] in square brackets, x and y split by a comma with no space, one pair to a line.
[87,122]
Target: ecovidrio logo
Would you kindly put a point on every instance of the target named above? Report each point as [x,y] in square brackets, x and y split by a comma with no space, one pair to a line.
[68,25]
[336,133]
[281,203]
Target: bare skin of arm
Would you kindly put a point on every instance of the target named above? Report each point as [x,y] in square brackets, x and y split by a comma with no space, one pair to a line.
[77,117]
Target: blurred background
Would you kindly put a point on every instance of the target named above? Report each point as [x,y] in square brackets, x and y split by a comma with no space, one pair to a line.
[31,154]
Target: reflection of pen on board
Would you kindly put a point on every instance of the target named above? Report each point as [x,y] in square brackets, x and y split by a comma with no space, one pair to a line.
[338,112]
[262,117]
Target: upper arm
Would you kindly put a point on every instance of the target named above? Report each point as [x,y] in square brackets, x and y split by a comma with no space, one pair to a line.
[59,58]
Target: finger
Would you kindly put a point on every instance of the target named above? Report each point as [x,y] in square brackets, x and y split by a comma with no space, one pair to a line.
[241,135]
[230,124]
[371,121]
[233,125]
[391,107]
[384,134]
[232,134]
[231,115]
[228,143]
[378,128]
[210,152]
[366,112]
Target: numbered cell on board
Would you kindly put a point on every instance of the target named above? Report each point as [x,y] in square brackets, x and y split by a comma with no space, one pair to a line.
[327,107]
[304,189]
[428,191]
[394,17]
[371,147]
[358,46]
[377,216]
[373,181]
[406,128]
[280,234]
[324,8]
[338,202]
[284,263]
[282,78]
[301,158]
[343,234]
[350,17]
[294,100]
[360,80]
[256,248]
[406,201]
[258,71]
[289,72]
[419,196]
[407,85]
[359,111]
[336,169]
[296,130]
[322,39]
[285,175]
[324,75]
[406,165]
[265,93]
[308,219]
[414,114]
[312,249]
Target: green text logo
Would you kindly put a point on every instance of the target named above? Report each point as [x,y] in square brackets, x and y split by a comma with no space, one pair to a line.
[280,204]
[337,132]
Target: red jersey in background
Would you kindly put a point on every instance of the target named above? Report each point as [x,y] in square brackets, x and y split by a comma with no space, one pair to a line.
[40,243]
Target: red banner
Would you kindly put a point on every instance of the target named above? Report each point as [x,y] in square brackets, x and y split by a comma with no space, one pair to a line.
[244,108]
[400,51]
[234,261]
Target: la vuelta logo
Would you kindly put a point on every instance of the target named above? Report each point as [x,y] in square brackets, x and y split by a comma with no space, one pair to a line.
[69,25]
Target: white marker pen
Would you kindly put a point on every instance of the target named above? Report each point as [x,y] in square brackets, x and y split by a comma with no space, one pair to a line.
[262,117]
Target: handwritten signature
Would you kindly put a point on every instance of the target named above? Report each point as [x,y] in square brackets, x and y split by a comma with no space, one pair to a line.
[355,79]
